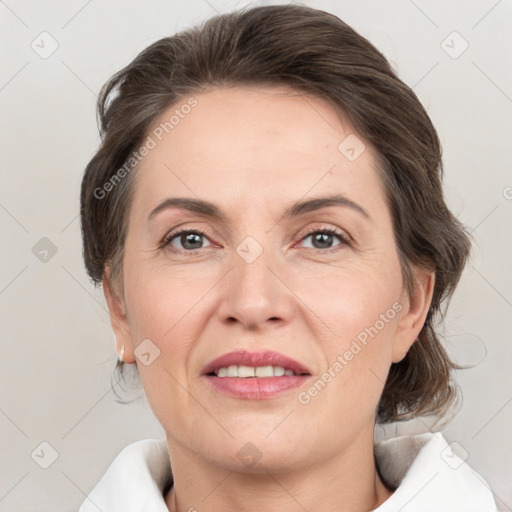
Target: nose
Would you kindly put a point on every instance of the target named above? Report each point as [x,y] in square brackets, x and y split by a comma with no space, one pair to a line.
[255,293]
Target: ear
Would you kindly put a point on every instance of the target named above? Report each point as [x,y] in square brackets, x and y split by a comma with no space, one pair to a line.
[414,313]
[118,319]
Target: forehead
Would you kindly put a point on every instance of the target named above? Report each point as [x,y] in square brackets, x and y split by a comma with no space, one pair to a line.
[260,145]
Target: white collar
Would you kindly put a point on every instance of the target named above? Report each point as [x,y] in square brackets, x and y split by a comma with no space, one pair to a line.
[429,477]
[426,473]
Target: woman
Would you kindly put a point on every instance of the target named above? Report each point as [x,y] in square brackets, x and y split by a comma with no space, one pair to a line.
[266,217]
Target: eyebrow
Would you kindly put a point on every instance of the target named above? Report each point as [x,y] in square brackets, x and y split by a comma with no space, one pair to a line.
[297,209]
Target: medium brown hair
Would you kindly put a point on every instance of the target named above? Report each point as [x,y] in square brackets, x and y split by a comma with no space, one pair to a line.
[316,53]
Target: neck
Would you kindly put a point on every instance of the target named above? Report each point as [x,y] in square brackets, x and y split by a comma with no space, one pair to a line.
[346,481]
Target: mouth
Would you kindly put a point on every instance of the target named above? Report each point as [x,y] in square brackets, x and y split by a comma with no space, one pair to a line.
[246,372]
[255,375]
[245,364]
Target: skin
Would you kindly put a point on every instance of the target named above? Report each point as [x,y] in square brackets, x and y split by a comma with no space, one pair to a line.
[253,152]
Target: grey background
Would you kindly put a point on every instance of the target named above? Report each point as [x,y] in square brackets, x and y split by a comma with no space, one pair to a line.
[57,346]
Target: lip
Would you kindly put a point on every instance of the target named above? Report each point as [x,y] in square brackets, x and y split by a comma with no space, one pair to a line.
[246,358]
[255,388]
[261,388]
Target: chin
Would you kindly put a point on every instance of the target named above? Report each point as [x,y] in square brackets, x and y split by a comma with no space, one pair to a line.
[259,450]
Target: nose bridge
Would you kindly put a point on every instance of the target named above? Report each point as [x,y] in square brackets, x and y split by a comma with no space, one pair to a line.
[255,293]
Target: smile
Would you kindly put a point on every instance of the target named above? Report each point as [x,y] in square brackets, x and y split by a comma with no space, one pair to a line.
[250,371]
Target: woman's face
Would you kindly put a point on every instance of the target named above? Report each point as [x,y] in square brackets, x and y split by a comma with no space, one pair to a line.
[319,284]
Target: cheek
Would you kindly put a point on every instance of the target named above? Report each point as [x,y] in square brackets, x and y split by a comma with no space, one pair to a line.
[356,314]
[348,298]
[166,308]
[165,305]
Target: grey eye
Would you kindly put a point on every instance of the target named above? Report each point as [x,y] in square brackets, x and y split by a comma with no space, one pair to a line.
[189,240]
[323,239]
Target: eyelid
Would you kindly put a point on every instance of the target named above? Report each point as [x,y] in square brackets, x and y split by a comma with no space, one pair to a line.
[326,227]
[345,238]
[166,241]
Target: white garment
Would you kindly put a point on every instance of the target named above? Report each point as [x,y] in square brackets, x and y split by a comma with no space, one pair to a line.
[427,475]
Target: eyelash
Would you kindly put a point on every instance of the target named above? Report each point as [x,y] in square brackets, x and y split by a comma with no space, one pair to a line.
[343,238]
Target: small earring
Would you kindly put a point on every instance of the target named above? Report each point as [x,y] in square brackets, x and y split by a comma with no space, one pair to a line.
[121,356]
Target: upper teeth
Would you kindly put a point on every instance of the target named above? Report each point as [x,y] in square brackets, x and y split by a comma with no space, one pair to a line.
[250,371]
